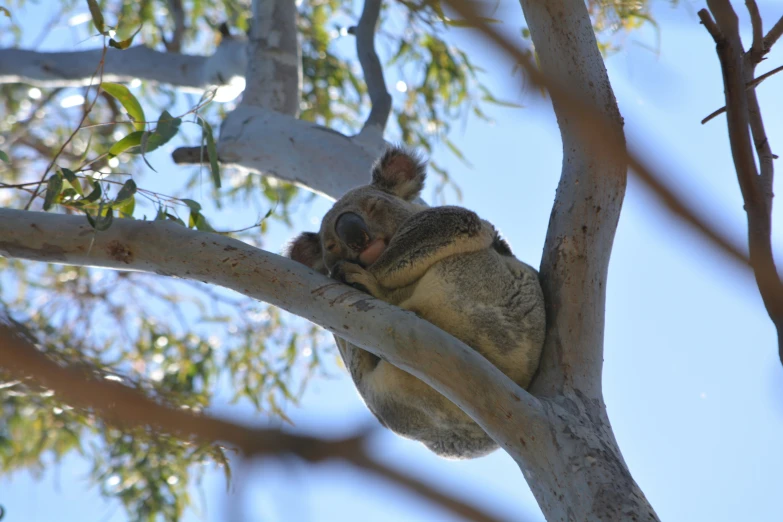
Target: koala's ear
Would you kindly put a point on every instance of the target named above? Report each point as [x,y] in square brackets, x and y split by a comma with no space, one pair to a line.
[400,172]
[306,249]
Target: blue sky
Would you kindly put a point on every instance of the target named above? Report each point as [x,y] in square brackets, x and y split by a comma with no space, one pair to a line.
[692,382]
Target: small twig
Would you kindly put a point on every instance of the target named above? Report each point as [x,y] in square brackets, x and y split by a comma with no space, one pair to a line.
[371,64]
[773,35]
[748,86]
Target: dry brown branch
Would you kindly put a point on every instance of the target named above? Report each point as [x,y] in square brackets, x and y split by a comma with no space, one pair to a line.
[743,116]
[85,387]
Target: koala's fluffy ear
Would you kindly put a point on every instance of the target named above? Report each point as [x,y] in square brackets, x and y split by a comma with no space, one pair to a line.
[306,249]
[400,172]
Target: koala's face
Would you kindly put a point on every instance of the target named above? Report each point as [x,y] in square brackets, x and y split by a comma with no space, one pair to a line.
[360,224]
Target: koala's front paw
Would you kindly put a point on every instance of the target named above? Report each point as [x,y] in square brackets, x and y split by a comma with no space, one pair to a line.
[357,277]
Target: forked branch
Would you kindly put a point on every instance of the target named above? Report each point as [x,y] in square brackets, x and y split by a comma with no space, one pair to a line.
[743,116]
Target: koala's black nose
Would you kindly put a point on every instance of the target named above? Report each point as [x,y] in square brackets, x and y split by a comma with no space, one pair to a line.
[352,230]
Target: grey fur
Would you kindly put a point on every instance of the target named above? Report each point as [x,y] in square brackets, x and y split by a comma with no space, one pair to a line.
[449,267]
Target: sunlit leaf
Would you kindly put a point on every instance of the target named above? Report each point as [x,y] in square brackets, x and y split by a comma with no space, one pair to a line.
[128,101]
[123,44]
[127,143]
[71,178]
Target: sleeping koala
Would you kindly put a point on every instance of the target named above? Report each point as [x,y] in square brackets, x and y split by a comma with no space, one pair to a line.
[449,267]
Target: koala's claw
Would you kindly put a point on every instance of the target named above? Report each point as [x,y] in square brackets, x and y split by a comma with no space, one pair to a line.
[356,276]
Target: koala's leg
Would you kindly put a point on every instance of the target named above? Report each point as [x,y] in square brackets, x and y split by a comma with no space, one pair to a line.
[426,238]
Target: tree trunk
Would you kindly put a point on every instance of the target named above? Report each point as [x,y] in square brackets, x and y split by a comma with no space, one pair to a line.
[576,470]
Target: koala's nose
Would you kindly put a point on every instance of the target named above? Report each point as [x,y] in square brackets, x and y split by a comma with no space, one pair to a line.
[352,230]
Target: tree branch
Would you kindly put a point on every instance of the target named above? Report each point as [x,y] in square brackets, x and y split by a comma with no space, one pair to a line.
[177,13]
[371,65]
[742,107]
[127,408]
[274,72]
[460,373]
[752,84]
[596,127]
[757,47]
[258,140]
[74,69]
[773,35]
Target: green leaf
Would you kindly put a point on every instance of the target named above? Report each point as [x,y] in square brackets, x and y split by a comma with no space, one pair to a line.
[71,178]
[167,127]
[127,207]
[193,205]
[123,44]
[97,16]
[96,193]
[126,192]
[125,144]
[103,220]
[4,157]
[199,222]
[211,150]
[128,101]
[5,11]
[53,188]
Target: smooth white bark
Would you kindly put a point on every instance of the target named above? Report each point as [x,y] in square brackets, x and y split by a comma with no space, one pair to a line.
[274,73]
[315,157]
[74,69]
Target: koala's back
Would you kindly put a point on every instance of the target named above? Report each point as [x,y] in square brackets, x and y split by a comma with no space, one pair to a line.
[491,302]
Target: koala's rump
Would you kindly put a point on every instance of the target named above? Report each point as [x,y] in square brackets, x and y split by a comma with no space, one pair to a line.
[493,309]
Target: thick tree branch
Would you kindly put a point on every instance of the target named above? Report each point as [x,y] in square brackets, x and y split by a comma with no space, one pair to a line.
[460,373]
[371,65]
[743,114]
[126,408]
[274,72]
[589,196]
[256,139]
[74,69]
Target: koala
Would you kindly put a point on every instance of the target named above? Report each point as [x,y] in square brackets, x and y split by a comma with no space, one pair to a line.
[449,267]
